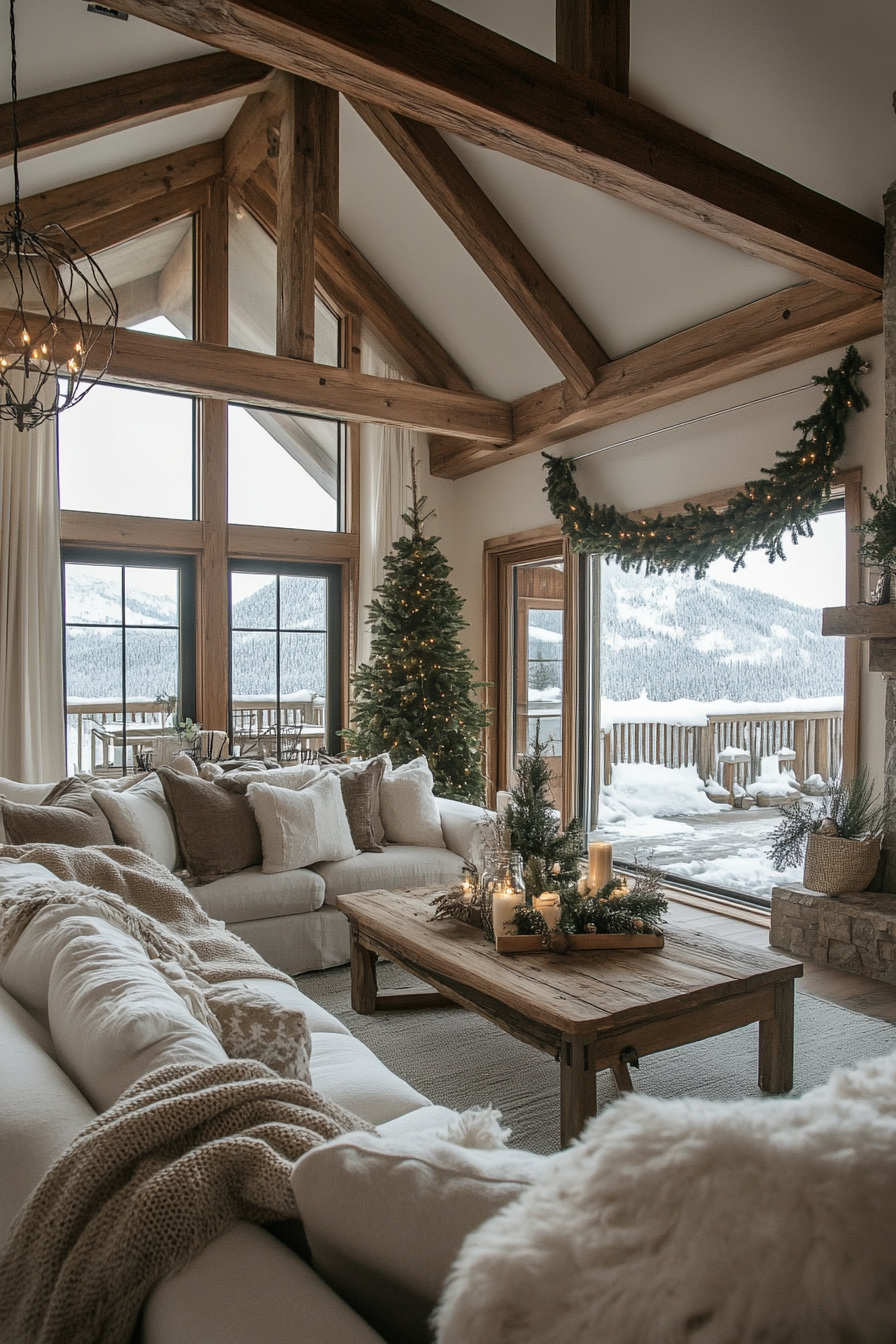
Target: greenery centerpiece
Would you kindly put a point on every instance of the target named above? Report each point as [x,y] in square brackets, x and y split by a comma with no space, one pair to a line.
[417,695]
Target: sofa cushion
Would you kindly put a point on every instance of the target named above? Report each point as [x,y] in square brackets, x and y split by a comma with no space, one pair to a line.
[114,1018]
[253,894]
[385,1218]
[140,817]
[246,1286]
[41,1113]
[317,1017]
[301,827]
[21,793]
[25,972]
[397,866]
[409,810]
[345,1071]
[216,830]
[67,816]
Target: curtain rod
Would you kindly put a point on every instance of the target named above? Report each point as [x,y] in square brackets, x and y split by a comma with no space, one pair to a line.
[711,415]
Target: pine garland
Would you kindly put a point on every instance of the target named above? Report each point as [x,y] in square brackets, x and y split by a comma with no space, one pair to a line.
[757,518]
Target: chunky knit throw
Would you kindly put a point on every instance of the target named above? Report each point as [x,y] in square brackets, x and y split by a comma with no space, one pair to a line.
[180,1157]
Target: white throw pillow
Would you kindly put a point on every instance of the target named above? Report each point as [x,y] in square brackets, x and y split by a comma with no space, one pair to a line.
[115,1018]
[292,776]
[141,818]
[25,973]
[409,811]
[21,793]
[301,826]
[386,1218]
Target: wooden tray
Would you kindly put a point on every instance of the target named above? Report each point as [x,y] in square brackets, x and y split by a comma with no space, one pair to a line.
[579,942]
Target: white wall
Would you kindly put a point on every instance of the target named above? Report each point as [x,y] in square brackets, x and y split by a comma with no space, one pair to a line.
[721,452]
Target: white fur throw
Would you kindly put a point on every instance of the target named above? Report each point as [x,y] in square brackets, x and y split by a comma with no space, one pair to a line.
[699,1222]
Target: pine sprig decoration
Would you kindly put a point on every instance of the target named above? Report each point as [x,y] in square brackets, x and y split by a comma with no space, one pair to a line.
[640,911]
[851,811]
[879,531]
[417,695]
[756,518]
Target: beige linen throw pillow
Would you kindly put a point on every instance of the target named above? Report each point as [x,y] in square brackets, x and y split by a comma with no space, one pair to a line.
[409,810]
[301,826]
[216,831]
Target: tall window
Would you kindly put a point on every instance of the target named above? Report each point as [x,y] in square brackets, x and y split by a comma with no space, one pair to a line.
[720,703]
[126,618]
[284,470]
[538,642]
[125,450]
[285,658]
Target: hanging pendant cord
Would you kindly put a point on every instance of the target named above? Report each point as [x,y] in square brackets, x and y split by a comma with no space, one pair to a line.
[17,209]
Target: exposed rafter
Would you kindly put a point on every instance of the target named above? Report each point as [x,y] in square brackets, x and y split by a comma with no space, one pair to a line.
[806,320]
[225,373]
[458,199]
[593,39]
[353,284]
[428,63]
[67,117]
[254,133]
[99,198]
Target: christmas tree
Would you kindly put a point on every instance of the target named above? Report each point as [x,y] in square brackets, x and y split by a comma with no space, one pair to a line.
[416,696]
[550,856]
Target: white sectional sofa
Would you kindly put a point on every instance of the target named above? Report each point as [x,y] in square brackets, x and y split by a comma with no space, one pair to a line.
[246,1287]
[290,918]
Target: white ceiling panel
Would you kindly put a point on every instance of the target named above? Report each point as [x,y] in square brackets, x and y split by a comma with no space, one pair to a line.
[419,257]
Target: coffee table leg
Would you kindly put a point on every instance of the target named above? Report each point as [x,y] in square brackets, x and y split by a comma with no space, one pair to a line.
[578,1088]
[776,1043]
[363,976]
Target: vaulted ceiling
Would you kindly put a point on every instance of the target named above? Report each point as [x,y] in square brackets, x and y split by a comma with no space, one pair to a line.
[804,88]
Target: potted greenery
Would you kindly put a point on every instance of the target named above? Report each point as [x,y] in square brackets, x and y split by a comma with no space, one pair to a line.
[878,550]
[838,836]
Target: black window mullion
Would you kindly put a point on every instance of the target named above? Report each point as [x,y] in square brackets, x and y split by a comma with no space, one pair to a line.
[124,679]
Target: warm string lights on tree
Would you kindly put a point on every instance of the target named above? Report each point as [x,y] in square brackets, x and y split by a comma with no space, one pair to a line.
[56,306]
[756,518]
[421,700]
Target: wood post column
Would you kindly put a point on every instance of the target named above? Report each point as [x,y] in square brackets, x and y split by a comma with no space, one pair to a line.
[889,301]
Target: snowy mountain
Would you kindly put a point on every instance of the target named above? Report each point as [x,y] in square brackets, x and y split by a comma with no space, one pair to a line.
[671,636]
[93,611]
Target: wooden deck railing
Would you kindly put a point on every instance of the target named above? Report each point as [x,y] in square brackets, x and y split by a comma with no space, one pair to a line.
[816,737]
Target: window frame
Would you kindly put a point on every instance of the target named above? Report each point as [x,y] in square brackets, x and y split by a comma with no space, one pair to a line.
[187,607]
[334,575]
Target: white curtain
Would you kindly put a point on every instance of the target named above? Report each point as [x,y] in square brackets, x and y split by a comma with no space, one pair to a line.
[32,708]
[385,486]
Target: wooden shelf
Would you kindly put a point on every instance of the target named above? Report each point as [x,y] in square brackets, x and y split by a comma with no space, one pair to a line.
[860,622]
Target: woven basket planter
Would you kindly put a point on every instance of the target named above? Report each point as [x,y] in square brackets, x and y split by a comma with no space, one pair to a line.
[834,866]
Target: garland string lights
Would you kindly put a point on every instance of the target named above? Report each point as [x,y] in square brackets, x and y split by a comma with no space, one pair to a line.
[758,517]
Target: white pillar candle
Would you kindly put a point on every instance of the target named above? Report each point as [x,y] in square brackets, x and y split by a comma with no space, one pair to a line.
[503,801]
[504,902]
[466,891]
[548,905]
[600,864]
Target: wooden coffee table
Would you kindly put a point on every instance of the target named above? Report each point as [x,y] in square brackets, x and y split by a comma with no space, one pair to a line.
[590,1010]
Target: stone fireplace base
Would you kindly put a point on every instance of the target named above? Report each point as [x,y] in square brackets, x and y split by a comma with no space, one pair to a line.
[854,932]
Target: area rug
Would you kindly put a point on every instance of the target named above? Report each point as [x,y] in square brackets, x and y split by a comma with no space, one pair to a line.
[458,1059]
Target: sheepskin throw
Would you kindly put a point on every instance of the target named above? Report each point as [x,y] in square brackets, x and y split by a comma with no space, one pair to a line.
[694,1222]
[127,884]
[181,1156]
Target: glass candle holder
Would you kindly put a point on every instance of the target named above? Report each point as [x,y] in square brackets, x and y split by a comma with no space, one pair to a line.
[501,890]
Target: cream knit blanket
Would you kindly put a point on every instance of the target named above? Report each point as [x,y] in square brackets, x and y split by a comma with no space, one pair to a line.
[180,1157]
[129,886]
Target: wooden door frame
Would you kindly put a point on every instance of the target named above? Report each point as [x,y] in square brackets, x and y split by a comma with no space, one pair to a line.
[500,555]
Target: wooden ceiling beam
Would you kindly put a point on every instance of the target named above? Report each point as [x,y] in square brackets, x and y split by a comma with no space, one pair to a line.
[297,175]
[254,134]
[426,62]
[460,202]
[98,198]
[97,234]
[354,285]
[593,38]
[799,322]
[225,373]
[68,117]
